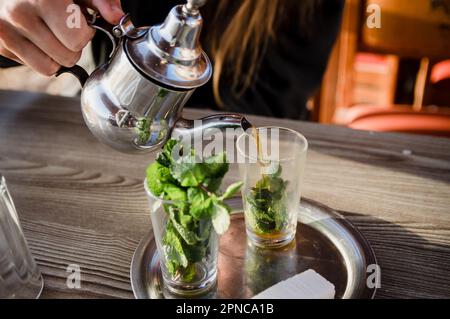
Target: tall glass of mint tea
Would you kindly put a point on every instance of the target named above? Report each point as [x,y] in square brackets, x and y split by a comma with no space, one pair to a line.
[188,254]
[271,165]
[188,213]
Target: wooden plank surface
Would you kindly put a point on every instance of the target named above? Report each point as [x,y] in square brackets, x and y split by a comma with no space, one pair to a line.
[80,202]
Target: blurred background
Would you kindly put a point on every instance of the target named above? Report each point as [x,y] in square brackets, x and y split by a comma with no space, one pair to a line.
[395,78]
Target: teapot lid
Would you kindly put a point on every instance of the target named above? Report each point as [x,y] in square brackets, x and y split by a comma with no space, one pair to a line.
[170,53]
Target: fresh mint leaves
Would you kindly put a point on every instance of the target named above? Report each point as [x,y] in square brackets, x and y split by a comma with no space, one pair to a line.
[188,172]
[267,202]
[197,209]
[220,217]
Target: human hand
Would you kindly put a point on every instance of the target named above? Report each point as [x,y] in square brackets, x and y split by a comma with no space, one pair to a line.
[36,32]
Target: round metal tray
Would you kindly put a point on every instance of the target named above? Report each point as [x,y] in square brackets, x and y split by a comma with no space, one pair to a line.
[326,242]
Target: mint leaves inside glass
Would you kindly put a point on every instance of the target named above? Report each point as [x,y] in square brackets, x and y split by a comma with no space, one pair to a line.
[267,204]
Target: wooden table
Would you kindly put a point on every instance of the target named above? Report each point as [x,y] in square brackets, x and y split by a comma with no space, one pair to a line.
[82,203]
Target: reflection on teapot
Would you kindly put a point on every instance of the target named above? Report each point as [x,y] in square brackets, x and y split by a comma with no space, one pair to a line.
[133,103]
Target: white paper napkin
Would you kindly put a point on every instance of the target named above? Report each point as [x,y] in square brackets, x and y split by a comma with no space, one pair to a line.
[307,285]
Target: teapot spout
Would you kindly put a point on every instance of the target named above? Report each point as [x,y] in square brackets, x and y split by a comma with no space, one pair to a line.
[201,127]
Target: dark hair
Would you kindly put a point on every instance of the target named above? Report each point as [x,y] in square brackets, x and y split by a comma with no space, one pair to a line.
[242,31]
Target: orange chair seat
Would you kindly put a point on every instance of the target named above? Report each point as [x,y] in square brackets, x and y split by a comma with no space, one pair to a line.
[400,119]
[440,72]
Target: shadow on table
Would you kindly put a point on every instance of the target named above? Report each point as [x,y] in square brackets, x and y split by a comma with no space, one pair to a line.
[411,266]
[407,159]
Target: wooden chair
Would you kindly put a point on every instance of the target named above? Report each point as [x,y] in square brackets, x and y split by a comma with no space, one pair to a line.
[409,29]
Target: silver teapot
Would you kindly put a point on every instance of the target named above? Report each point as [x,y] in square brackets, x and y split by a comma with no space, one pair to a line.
[133,103]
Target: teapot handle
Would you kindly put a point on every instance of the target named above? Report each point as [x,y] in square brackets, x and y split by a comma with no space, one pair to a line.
[113,33]
[77,71]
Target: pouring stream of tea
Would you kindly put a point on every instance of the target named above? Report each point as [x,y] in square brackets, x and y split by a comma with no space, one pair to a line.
[259,157]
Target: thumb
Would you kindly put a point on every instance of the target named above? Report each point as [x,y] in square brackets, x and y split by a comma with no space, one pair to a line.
[110,10]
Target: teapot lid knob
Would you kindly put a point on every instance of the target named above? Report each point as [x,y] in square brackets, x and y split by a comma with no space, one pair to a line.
[192,6]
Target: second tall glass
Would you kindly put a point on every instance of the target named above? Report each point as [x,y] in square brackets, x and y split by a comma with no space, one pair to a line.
[271,165]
